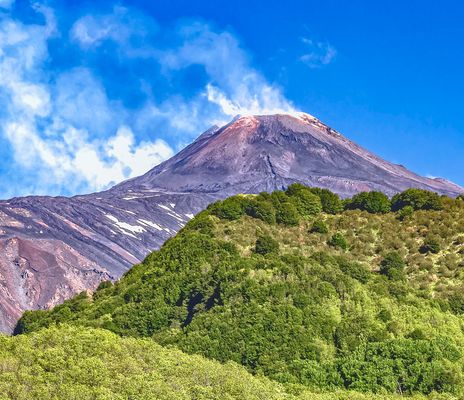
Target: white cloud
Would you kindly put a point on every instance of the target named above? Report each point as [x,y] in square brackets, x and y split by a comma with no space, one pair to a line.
[234,85]
[123,26]
[318,54]
[73,160]
[68,135]
[59,128]
[92,31]
[6,3]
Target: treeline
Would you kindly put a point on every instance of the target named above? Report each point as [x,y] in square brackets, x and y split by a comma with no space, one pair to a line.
[299,201]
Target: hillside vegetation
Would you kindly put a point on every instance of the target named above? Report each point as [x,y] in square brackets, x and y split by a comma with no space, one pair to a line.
[303,288]
[82,364]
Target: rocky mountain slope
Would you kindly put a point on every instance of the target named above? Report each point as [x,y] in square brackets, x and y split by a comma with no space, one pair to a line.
[51,248]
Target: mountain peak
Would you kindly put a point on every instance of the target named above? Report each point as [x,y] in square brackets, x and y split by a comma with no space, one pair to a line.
[254,153]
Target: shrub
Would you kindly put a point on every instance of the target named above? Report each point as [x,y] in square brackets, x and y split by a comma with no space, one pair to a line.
[232,208]
[392,265]
[331,202]
[418,199]
[306,202]
[263,210]
[456,300]
[430,245]
[265,244]
[405,212]
[373,202]
[201,223]
[104,285]
[355,270]
[319,227]
[287,214]
[339,241]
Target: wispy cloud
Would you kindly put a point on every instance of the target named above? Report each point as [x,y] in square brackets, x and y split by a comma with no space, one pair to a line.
[317,54]
[234,86]
[68,130]
[6,4]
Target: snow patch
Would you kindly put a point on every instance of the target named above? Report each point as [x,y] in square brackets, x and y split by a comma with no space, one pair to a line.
[150,223]
[125,228]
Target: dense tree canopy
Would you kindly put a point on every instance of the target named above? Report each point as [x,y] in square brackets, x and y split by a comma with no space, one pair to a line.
[418,199]
[372,202]
[330,202]
[354,305]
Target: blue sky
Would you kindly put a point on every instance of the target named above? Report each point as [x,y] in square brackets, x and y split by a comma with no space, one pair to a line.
[94,92]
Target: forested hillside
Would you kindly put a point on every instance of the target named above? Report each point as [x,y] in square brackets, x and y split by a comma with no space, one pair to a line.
[365,294]
[72,363]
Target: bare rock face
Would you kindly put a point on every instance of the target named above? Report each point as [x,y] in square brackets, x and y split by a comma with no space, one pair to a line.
[54,247]
[258,153]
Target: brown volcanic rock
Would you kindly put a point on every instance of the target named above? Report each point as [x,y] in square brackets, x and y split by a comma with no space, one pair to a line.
[258,153]
[54,247]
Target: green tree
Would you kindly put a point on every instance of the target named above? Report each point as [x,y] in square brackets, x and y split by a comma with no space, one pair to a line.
[339,241]
[392,265]
[331,202]
[287,214]
[232,208]
[319,227]
[265,244]
[373,202]
[418,199]
[262,209]
[306,202]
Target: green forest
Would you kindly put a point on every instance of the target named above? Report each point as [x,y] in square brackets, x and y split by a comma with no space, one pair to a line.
[294,294]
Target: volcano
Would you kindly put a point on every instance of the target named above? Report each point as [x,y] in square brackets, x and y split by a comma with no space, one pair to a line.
[54,247]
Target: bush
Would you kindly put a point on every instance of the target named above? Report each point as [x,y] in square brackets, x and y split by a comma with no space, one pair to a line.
[306,202]
[355,270]
[232,208]
[263,210]
[287,214]
[331,202]
[405,212]
[430,245]
[339,241]
[456,300]
[319,227]
[418,199]
[104,285]
[392,265]
[373,202]
[266,244]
